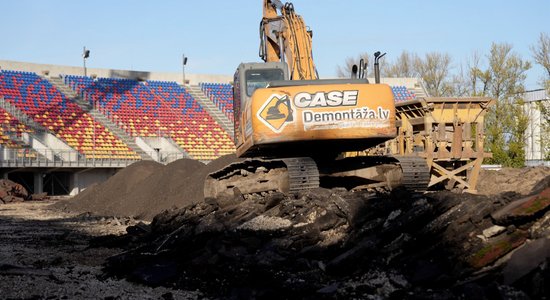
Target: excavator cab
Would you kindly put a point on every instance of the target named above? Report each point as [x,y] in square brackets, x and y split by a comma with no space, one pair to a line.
[247,79]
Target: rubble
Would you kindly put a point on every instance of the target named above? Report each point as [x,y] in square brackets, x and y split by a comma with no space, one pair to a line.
[339,244]
[324,243]
[14,192]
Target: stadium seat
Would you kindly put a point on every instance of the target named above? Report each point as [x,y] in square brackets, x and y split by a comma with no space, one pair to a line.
[40,100]
[148,109]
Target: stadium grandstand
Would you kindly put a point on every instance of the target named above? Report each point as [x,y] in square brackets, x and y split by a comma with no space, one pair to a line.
[63,131]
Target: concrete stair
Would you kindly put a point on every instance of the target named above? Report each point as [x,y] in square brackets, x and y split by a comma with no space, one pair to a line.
[211,108]
[99,117]
[29,122]
[419,90]
[19,115]
[121,134]
[69,93]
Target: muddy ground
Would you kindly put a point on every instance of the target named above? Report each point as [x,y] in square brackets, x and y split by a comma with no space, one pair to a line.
[47,254]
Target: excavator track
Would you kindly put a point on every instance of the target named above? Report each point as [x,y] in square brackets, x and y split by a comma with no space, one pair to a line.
[252,176]
[302,173]
[416,173]
[288,175]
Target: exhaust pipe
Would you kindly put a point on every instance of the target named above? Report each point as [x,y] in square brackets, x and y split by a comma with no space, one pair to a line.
[362,68]
[354,72]
[377,57]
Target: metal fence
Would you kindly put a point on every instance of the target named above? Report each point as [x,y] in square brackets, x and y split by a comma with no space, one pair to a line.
[27,157]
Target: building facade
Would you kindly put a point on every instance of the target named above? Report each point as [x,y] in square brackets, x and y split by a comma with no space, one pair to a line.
[536,147]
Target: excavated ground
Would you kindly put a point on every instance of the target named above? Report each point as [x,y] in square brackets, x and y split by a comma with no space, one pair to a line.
[47,254]
[323,243]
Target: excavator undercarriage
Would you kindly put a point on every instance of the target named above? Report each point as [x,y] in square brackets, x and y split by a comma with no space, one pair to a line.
[289,175]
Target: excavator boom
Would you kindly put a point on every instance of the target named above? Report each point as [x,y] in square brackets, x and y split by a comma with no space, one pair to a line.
[284,37]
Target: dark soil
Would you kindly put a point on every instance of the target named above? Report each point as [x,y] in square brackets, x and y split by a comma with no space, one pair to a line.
[339,244]
[108,198]
[144,189]
[330,243]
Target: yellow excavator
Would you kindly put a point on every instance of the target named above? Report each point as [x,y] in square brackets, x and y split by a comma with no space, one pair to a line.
[293,127]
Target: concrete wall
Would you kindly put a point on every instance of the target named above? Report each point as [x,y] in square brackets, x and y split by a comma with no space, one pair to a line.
[167,151]
[533,147]
[38,146]
[409,83]
[535,138]
[60,148]
[83,179]
[193,79]
[56,70]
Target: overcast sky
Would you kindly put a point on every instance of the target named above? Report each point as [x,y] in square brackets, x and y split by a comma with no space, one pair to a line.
[217,35]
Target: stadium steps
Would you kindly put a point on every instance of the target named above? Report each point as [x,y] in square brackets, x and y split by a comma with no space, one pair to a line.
[22,117]
[12,110]
[123,136]
[177,146]
[99,117]
[207,104]
[29,122]
[69,93]
[419,90]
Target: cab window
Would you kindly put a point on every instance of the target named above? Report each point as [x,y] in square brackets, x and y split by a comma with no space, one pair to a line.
[256,79]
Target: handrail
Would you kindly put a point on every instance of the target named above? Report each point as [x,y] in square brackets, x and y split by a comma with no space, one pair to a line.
[24,157]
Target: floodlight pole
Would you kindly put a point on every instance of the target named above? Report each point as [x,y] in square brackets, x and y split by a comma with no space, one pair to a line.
[184,62]
[85,54]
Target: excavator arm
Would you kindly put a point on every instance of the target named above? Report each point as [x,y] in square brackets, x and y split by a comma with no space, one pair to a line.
[284,37]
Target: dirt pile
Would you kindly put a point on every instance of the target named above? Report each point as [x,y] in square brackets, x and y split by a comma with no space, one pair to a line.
[517,180]
[161,190]
[339,244]
[106,198]
[146,188]
[14,192]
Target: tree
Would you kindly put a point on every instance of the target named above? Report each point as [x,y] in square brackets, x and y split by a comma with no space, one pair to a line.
[404,66]
[434,70]
[499,75]
[345,70]
[506,122]
[541,53]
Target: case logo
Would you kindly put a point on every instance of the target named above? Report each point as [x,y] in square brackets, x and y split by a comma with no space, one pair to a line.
[329,99]
[277,112]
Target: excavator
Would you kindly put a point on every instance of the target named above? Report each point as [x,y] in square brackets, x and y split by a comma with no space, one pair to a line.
[292,128]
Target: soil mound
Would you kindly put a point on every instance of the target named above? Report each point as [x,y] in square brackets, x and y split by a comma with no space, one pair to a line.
[161,190]
[145,189]
[107,198]
[523,181]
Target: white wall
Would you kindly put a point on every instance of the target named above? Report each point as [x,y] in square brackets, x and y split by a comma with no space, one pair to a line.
[56,70]
[81,180]
[49,141]
[193,79]
[533,147]
[166,149]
